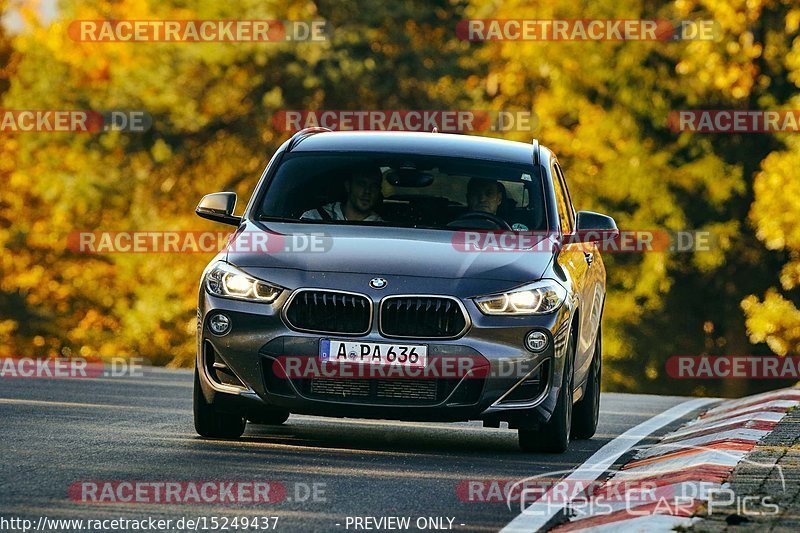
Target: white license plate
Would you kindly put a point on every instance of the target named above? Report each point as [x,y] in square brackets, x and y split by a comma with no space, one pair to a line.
[373,353]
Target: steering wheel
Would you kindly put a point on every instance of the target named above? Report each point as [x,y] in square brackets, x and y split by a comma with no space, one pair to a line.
[477,215]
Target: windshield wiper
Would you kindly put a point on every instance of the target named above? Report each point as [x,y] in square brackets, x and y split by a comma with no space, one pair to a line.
[270,218]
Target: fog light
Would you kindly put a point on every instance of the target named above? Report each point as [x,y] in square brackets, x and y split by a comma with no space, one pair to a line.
[219,324]
[536,341]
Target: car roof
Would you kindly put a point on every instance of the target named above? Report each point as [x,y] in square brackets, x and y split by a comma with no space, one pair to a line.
[423,143]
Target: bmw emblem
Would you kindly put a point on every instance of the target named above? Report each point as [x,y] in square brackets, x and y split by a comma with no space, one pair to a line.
[378,283]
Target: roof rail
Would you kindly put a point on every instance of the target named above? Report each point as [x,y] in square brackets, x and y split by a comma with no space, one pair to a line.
[302,134]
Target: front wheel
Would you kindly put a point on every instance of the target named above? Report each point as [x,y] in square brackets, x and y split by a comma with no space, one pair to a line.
[553,437]
[587,410]
[208,422]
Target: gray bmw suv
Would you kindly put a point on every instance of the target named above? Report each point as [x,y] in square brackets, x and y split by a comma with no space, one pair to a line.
[406,276]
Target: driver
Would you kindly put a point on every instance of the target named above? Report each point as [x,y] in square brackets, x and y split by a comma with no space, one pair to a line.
[363,189]
[484,195]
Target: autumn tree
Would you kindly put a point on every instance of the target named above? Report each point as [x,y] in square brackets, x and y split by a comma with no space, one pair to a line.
[604,107]
[211,105]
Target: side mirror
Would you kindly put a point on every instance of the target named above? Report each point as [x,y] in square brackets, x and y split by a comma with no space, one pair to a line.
[219,208]
[595,227]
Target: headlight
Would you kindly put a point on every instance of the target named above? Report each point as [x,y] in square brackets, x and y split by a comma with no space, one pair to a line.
[538,298]
[229,282]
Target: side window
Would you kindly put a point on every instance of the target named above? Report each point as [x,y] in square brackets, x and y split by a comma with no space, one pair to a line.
[563,204]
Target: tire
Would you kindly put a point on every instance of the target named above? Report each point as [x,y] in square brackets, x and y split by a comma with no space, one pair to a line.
[270,418]
[553,436]
[210,423]
[587,411]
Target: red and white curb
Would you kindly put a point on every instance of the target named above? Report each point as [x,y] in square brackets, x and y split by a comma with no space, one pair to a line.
[543,510]
[697,458]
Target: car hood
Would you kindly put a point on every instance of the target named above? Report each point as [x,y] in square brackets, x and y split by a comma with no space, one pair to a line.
[380,251]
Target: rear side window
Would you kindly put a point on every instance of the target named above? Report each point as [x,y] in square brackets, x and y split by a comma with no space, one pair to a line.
[566,215]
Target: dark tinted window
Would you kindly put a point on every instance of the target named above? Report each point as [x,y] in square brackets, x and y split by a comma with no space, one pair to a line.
[417,191]
[564,204]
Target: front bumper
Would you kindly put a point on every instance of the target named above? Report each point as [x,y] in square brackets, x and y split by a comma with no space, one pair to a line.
[259,337]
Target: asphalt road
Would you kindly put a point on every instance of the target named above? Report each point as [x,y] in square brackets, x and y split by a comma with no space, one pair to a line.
[56,432]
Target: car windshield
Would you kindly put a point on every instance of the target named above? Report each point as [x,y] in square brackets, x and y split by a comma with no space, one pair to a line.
[398,190]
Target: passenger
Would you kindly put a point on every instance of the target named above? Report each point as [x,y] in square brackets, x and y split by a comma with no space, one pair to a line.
[363,189]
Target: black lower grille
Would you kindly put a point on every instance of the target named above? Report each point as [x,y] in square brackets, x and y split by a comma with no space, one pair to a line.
[422,316]
[406,389]
[373,390]
[333,312]
[343,388]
